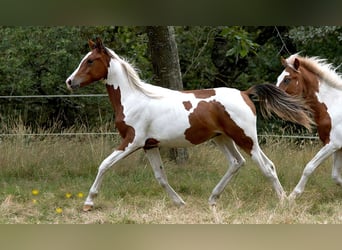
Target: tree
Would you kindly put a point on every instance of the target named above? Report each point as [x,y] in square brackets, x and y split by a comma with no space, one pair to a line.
[164,56]
[165,61]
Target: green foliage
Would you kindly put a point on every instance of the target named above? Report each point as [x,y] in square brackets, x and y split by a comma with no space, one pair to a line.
[37,60]
[321,41]
[242,44]
[194,49]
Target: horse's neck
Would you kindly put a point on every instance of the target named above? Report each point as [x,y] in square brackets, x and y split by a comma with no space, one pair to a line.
[323,102]
[121,95]
[118,78]
[328,94]
[114,95]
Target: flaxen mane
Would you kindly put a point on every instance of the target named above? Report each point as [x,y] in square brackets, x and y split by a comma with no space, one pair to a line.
[320,67]
[133,77]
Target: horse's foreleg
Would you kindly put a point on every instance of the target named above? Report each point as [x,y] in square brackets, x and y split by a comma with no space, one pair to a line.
[322,155]
[104,166]
[227,146]
[154,158]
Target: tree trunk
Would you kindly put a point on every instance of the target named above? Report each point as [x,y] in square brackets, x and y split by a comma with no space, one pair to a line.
[165,61]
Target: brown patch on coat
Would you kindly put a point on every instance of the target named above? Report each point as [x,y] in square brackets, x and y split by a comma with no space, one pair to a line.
[151,143]
[323,121]
[305,83]
[187,105]
[248,101]
[127,132]
[201,93]
[310,88]
[210,119]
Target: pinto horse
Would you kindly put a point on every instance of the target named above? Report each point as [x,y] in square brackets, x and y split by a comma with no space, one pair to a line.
[148,117]
[318,83]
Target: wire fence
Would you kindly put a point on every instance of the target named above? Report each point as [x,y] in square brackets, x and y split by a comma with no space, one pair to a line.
[60,134]
[50,96]
[109,133]
[304,137]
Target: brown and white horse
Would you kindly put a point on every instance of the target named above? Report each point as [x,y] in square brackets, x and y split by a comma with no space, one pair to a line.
[319,84]
[148,117]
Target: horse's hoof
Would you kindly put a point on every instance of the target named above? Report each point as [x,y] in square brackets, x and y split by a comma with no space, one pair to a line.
[212,205]
[87,208]
[212,201]
[179,204]
[292,196]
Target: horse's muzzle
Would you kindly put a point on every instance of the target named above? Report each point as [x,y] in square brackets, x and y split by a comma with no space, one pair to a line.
[70,85]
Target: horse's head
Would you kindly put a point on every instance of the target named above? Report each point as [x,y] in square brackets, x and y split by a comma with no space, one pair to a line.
[291,79]
[93,67]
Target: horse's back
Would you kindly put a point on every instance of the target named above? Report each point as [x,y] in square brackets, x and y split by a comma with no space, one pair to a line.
[182,118]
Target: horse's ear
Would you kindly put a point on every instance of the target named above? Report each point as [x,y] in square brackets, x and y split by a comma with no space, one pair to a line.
[99,44]
[92,45]
[96,45]
[283,61]
[296,63]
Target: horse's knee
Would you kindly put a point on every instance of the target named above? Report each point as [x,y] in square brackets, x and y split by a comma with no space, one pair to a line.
[236,165]
[241,162]
[268,169]
[104,166]
[308,171]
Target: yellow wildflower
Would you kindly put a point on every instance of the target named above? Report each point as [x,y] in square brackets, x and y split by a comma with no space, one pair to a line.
[59,210]
[80,195]
[68,195]
[35,192]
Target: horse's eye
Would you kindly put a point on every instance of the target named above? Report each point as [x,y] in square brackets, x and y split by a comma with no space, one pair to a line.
[90,61]
[287,80]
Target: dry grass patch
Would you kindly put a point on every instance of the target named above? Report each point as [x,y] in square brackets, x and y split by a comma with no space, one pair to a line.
[61,168]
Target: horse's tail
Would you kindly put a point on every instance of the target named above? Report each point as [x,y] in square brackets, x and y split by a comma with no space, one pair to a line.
[271,99]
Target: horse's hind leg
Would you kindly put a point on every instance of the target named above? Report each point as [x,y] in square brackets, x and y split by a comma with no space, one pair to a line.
[337,167]
[154,158]
[268,169]
[235,159]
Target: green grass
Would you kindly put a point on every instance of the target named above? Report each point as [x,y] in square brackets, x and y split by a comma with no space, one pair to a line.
[130,194]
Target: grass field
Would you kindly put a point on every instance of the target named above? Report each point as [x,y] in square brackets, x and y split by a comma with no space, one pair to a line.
[46,179]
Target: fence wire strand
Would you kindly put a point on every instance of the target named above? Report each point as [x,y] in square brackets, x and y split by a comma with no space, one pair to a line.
[107,133]
[50,96]
[116,133]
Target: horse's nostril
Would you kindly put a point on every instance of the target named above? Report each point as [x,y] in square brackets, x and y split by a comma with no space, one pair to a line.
[68,84]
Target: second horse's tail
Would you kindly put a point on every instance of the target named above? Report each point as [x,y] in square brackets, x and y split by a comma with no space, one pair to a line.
[274,100]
